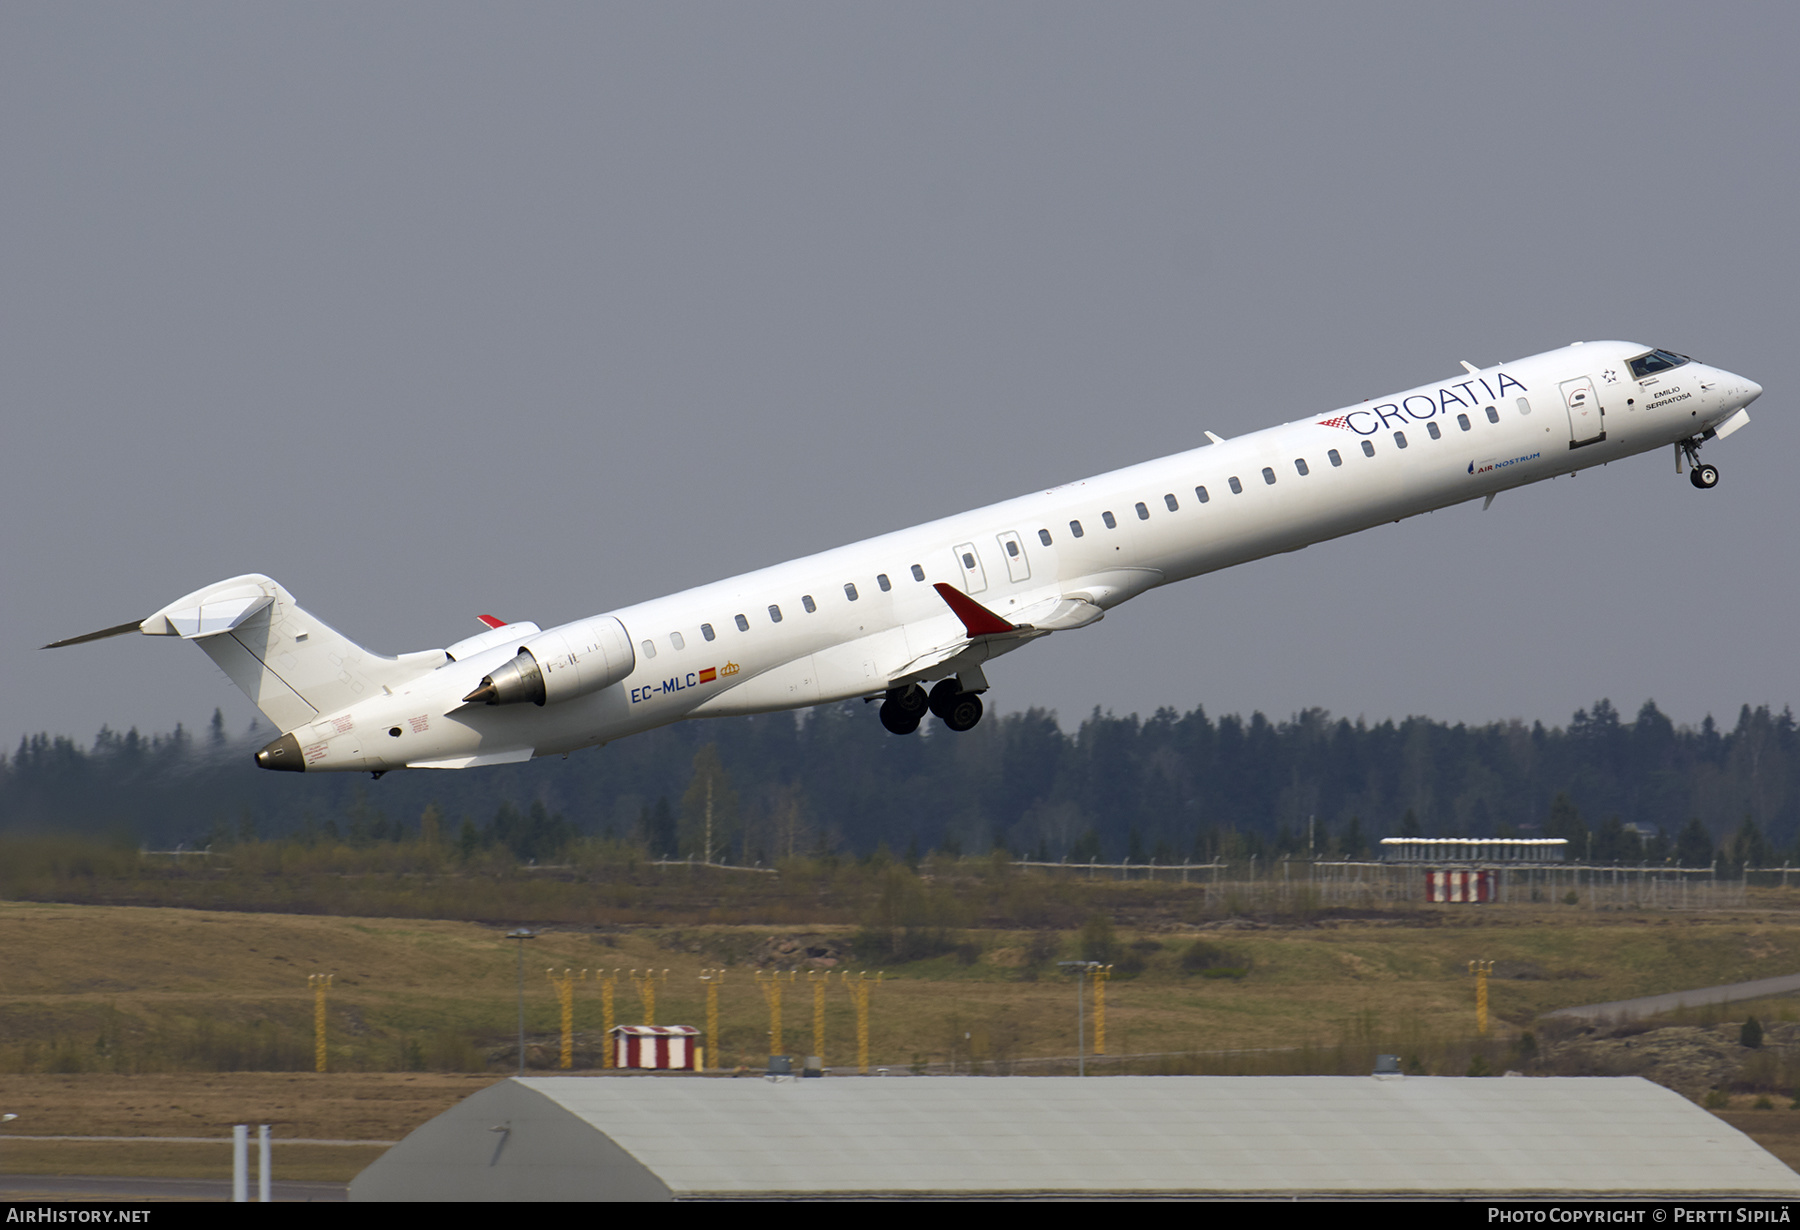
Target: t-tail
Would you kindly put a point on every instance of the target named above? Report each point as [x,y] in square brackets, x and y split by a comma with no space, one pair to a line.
[290,663]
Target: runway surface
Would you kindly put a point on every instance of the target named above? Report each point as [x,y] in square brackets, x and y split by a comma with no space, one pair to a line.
[1651,1005]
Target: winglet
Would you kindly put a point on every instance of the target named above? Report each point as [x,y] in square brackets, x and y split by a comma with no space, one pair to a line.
[491,621]
[975,617]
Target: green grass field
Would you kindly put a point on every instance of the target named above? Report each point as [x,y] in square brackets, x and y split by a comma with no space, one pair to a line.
[158,1020]
[133,989]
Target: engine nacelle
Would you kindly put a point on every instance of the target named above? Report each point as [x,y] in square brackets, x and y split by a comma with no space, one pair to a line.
[572,660]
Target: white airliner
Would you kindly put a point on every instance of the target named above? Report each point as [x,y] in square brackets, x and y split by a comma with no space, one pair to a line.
[886,617]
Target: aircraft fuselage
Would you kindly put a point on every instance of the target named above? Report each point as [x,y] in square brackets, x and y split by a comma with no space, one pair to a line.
[868,619]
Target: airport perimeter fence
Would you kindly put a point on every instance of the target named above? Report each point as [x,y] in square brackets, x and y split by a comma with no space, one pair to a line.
[1284,885]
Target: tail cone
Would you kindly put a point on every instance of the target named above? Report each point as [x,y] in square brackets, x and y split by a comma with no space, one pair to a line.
[282,755]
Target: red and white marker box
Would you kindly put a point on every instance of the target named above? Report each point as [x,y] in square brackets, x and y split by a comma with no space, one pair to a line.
[661,1047]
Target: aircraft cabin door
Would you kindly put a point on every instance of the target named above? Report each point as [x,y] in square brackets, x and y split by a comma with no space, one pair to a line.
[1587,420]
[1018,568]
[968,562]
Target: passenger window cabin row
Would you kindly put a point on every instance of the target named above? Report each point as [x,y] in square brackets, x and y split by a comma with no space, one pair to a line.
[807,604]
[1301,468]
[1170,502]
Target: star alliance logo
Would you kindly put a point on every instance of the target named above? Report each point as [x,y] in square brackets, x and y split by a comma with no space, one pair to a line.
[1610,376]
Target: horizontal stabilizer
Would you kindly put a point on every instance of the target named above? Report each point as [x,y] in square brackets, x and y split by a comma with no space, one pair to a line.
[976,618]
[101,635]
[215,616]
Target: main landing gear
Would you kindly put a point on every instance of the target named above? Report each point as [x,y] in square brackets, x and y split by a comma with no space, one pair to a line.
[1703,476]
[955,708]
[904,708]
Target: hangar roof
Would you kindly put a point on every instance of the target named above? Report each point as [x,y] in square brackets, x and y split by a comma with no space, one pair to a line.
[663,1137]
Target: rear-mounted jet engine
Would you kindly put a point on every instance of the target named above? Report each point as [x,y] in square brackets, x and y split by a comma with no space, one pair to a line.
[572,660]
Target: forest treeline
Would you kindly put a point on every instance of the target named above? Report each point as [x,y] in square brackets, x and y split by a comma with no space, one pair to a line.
[1173,787]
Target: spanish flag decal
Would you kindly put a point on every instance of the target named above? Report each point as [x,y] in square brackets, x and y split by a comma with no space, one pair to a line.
[708,675]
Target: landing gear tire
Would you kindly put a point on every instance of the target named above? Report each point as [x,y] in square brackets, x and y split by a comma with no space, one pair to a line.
[955,708]
[942,697]
[910,699]
[904,709]
[897,720]
[1705,477]
[965,712]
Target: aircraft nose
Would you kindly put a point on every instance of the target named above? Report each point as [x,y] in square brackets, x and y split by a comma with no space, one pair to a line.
[1752,390]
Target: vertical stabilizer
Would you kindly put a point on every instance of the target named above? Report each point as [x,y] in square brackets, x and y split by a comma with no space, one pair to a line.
[291,664]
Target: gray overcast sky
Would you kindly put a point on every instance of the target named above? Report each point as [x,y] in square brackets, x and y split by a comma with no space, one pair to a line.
[435,309]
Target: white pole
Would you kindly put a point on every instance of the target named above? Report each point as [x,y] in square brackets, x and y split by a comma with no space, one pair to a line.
[240,1163]
[262,1163]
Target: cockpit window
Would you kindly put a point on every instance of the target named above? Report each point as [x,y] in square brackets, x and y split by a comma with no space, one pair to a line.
[1656,361]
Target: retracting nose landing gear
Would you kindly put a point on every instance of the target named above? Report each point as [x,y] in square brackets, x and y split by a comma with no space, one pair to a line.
[1705,477]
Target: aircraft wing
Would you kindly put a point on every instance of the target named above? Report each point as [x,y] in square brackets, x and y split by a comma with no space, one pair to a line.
[1051,615]
[988,635]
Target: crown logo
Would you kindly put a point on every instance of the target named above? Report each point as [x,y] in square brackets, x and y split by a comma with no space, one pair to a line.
[730,668]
